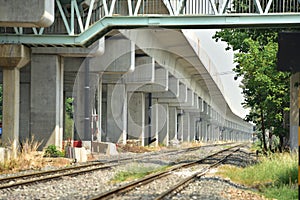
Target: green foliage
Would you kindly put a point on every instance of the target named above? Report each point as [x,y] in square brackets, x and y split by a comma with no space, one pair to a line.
[52,151]
[136,172]
[282,192]
[68,133]
[265,89]
[69,107]
[272,175]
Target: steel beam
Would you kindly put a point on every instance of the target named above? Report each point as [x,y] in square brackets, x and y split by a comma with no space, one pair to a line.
[102,27]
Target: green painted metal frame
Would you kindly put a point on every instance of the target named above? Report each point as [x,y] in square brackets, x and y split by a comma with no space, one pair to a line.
[102,27]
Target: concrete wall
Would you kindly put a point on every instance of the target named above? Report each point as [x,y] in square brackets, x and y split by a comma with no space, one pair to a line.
[29,13]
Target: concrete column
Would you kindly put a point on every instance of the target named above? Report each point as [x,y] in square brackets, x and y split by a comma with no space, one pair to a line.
[99,111]
[186,127]
[198,129]
[11,98]
[47,99]
[12,58]
[116,113]
[136,116]
[154,121]
[172,123]
[192,128]
[25,104]
[163,124]
[180,125]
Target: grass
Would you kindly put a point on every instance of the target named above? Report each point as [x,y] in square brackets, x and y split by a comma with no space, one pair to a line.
[136,171]
[27,158]
[275,176]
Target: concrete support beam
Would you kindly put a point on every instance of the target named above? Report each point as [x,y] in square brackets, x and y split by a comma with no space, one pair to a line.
[24,103]
[30,13]
[194,125]
[182,98]
[11,98]
[180,125]
[136,116]
[47,99]
[144,71]
[12,58]
[172,123]
[160,82]
[163,124]
[188,104]
[155,121]
[203,130]
[186,127]
[173,89]
[116,113]
[118,57]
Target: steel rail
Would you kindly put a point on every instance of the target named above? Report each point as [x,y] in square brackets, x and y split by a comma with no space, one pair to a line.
[55,176]
[191,178]
[40,176]
[129,186]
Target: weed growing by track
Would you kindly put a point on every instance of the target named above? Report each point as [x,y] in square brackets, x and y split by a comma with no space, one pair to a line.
[275,176]
[136,172]
[27,158]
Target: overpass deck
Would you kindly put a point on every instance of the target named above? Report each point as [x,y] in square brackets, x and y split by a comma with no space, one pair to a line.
[82,22]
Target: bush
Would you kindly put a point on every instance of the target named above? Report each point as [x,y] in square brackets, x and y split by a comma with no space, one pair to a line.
[52,151]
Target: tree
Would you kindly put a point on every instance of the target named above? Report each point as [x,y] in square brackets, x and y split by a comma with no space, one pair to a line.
[265,89]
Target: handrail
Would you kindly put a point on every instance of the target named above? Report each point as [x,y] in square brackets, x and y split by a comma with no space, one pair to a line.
[106,24]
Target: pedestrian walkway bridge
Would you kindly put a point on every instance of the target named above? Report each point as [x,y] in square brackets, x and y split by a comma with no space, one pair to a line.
[81,22]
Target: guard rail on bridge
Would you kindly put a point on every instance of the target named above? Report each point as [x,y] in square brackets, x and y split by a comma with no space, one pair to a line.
[81,22]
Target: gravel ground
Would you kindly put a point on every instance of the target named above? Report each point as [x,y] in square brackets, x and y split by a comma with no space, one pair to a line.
[85,185]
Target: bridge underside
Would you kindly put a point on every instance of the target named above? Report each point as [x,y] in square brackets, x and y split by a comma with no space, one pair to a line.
[146,85]
[131,70]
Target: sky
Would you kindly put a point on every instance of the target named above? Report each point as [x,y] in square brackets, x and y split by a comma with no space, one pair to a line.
[223,61]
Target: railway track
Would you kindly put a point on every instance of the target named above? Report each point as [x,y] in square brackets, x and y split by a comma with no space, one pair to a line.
[30,178]
[212,161]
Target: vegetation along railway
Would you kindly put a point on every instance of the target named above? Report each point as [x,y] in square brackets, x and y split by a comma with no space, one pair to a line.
[107,178]
[89,86]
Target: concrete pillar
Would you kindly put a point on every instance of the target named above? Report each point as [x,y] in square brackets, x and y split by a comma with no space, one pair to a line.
[154,121]
[25,104]
[294,112]
[198,129]
[136,116]
[163,124]
[172,123]
[12,58]
[47,99]
[116,114]
[11,98]
[180,125]
[99,111]
[192,127]
[186,127]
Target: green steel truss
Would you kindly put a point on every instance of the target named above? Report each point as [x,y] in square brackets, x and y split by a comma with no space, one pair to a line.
[82,22]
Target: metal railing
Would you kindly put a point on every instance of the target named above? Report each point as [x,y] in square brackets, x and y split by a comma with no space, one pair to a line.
[220,7]
[73,17]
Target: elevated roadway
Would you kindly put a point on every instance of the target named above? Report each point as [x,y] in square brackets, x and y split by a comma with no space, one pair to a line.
[117,59]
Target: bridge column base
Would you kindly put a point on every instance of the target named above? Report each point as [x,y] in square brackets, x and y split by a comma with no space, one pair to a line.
[12,58]
[172,123]
[136,116]
[46,104]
